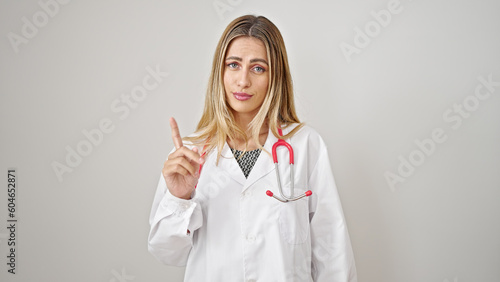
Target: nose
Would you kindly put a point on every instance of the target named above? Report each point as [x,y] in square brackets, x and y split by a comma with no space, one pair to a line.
[244,79]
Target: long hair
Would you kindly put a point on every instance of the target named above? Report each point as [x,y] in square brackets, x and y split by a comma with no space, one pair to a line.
[278,108]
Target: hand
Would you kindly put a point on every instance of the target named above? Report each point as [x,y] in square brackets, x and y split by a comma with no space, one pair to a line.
[180,170]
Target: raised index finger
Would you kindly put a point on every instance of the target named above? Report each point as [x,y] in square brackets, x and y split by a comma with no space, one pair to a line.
[176,136]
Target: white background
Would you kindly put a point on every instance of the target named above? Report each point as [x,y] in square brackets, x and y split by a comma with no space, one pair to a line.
[441,224]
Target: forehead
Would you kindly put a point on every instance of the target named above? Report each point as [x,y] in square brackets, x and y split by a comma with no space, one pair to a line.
[246,46]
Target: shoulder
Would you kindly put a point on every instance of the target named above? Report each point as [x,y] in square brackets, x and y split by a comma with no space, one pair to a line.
[306,133]
[308,139]
[309,147]
[189,140]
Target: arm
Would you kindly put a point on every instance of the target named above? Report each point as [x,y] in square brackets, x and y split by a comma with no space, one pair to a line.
[171,218]
[174,216]
[332,255]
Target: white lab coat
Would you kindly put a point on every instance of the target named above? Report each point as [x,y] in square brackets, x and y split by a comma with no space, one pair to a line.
[238,233]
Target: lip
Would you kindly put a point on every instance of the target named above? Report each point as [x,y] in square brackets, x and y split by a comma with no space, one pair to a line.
[241,96]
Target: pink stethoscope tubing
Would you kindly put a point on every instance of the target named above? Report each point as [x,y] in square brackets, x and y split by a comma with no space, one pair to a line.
[285,198]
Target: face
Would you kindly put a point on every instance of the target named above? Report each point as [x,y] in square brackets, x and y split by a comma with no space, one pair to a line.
[246,77]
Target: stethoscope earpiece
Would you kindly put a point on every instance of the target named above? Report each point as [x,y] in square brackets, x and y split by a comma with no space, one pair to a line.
[285,198]
[306,194]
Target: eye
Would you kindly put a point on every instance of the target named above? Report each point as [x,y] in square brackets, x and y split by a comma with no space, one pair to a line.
[232,65]
[259,69]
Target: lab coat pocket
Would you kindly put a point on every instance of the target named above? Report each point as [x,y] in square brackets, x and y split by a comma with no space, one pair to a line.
[294,220]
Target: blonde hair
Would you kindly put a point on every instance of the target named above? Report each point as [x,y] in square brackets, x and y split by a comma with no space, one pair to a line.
[278,108]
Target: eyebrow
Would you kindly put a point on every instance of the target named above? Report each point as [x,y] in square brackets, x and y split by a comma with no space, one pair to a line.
[251,61]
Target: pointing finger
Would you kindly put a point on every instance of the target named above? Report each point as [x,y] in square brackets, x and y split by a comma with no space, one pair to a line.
[176,136]
[184,152]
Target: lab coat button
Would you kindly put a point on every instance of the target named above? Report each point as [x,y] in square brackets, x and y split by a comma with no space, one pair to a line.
[250,238]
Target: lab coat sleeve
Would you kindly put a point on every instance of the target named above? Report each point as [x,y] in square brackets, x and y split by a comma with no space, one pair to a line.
[171,218]
[332,255]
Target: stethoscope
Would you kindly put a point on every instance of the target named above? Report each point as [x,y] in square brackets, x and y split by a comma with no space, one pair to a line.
[285,198]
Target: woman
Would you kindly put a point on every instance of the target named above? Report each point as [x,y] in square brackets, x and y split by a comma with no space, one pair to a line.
[228,229]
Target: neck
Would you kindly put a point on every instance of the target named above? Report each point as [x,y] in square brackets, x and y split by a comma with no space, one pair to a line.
[243,120]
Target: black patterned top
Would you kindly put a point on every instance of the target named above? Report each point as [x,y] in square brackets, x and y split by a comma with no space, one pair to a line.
[247,161]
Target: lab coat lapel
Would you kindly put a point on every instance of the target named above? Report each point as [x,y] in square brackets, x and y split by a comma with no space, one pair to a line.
[230,165]
[264,163]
